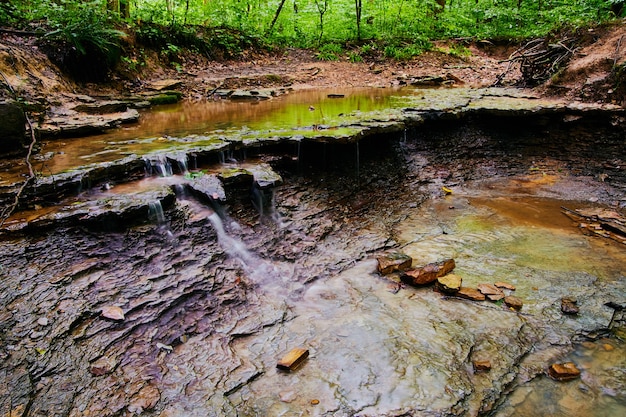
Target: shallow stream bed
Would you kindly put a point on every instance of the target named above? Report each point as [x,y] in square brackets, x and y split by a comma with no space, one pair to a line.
[186,310]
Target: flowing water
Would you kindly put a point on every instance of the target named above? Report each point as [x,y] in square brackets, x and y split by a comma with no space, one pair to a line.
[214,295]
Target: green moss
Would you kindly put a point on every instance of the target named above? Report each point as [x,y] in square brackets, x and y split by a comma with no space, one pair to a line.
[165,98]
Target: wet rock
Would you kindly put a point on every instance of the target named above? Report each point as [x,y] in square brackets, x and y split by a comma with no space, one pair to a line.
[505,285]
[112,313]
[393,261]
[490,291]
[250,95]
[470,294]
[264,176]
[12,126]
[513,302]
[449,284]
[102,107]
[102,366]
[236,177]
[209,187]
[563,371]
[428,273]
[482,365]
[569,306]
[81,124]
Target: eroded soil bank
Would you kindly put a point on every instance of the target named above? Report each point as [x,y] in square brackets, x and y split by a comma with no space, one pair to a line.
[187,314]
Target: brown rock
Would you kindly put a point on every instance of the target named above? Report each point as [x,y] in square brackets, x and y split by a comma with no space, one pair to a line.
[513,302]
[292,360]
[393,261]
[568,306]
[505,285]
[563,371]
[495,297]
[449,284]
[471,294]
[428,273]
[112,313]
[482,366]
[489,289]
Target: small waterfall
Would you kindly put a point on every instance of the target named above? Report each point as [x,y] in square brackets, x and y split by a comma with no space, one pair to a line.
[233,247]
[159,165]
[181,160]
[155,212]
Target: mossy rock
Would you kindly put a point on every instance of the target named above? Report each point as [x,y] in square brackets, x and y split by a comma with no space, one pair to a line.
[170,97]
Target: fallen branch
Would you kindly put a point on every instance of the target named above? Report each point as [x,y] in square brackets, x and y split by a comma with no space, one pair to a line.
[6,213]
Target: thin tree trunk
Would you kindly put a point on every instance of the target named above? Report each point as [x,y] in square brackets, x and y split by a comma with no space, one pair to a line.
[358,5]
[280,7]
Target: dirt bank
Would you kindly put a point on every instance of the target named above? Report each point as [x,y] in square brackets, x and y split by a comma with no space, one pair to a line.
[590,76]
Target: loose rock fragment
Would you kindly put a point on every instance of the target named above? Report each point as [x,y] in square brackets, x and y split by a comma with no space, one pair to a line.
[563,371]
[393,261]
[428,273]
[513,302]
[505,285]
[470,294]
[449,284]
[112,313]
[482,366]
[293,359]
[568,306]
[492,292]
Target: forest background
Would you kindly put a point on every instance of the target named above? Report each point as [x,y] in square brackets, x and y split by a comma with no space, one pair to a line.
[110,32]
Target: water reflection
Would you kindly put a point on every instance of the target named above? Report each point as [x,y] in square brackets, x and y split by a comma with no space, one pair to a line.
[184,120]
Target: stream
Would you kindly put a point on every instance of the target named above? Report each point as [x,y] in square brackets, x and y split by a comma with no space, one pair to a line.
[177,292]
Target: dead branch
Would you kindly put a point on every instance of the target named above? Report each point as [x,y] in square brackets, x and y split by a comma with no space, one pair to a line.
[7,211]
[539,59]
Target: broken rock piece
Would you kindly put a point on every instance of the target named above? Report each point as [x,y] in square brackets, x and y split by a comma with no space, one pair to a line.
[563,371]
[393,261]
[428,273]
[293,360]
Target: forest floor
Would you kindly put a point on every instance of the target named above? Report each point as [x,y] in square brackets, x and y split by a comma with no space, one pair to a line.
[590,75]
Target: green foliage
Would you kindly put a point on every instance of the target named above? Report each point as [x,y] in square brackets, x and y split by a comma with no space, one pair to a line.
[224,28]
[84,26]
[330,52]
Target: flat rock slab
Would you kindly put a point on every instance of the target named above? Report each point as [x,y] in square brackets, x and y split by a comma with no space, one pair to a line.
[428,273]
[393,261]
[78,124]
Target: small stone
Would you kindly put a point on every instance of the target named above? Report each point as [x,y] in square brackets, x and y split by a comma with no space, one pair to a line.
[563,371]
[449,284]
[112,313]
[505,285]
[42,321]
[315,402]
[428,273]
[489,289]
[470,294]
[568,306]
[495,297]
[36,335]
[482,366]
[393,261]
[608,347]
[101,367]
[513,302]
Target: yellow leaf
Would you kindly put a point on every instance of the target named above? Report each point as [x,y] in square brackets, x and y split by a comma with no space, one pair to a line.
[446,190]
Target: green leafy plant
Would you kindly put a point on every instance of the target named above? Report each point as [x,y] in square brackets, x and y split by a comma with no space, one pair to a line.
[329,52]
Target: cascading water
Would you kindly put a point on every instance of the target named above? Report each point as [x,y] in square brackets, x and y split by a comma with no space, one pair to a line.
[156,212]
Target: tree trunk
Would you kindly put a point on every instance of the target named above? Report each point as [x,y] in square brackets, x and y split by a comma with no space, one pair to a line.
[358,5]
[280,7]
